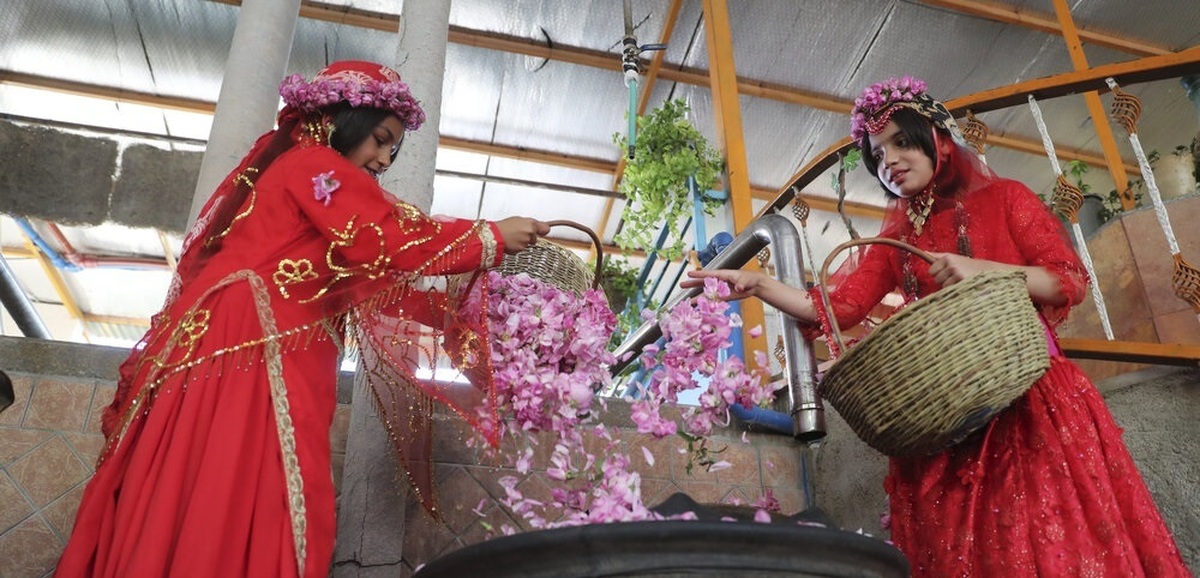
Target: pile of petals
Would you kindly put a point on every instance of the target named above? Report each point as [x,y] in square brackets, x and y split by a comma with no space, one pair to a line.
[549,354]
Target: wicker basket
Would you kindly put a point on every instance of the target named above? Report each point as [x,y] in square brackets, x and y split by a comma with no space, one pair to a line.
[555,264]
[940,368]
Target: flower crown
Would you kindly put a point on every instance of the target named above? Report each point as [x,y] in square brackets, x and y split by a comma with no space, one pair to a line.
[382,89]
[875,106]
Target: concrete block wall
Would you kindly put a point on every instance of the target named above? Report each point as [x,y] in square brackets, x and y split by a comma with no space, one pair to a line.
[75,179]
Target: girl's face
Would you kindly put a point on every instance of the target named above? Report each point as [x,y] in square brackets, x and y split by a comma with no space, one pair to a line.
[374,154]
[904,169]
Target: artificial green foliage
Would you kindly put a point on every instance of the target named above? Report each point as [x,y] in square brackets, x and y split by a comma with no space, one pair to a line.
[667,150]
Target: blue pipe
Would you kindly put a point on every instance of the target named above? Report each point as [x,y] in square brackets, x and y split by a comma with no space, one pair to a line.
[775,421]
[698,212]
[55,257]
[632,114]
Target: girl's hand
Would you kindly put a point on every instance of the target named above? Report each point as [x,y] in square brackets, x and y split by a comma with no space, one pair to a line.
[742,284]
[950,268]
[1044,287]
[520,232]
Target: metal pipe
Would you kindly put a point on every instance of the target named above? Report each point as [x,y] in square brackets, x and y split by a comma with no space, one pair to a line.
[803,403]
[18,305]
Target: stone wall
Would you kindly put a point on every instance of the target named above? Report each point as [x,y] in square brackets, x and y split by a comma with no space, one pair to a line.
[50,439]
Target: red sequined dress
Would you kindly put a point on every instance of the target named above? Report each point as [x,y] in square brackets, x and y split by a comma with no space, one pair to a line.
[1048,487]
[217,461]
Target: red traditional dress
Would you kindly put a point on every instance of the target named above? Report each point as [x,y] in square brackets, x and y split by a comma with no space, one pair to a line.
[1048,487]
[218,456]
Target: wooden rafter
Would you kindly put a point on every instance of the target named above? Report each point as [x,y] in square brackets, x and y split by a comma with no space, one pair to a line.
[723,84]
[1044,23]
[1108,143]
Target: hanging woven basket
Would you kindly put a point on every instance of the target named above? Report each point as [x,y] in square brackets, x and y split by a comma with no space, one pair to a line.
[940,368]
[557,265]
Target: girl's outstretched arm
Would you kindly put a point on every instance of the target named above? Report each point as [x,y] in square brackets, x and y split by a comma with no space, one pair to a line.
[790,300]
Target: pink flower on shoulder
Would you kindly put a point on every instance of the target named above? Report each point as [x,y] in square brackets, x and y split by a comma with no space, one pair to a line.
[323,187]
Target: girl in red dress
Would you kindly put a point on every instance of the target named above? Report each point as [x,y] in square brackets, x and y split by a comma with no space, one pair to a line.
[217,460]
[1047,488]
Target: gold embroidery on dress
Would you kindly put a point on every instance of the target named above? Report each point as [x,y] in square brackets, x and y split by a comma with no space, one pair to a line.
[244,179]
[192,327]
[291,272]
[450,253]
[488,238]
[468,344]
[273,356]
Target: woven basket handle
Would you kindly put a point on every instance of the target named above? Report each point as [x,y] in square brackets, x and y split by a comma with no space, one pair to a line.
[595,240]
[833,323]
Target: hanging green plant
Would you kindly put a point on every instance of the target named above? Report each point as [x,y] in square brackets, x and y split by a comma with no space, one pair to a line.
[667,150]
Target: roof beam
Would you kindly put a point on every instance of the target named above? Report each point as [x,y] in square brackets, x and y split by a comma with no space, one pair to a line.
[1148,69]
[1108,143]
[1035,21]
[107,92]
[727,117]
[603,60]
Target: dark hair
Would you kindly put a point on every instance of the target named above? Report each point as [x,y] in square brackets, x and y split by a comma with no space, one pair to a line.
[353,125]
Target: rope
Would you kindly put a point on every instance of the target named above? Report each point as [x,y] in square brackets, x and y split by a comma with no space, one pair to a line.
[1095,284]
[801,210]
[1046,142]
[1073,215]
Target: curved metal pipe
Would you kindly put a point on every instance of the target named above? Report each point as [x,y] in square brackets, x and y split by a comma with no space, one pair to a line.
[803,403]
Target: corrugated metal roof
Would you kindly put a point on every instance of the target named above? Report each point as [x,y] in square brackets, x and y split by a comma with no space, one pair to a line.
[824,48]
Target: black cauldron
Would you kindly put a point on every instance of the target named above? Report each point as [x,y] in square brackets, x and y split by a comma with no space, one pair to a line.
[706,547]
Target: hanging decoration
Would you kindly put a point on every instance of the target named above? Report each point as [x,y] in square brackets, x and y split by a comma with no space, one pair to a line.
[975,131]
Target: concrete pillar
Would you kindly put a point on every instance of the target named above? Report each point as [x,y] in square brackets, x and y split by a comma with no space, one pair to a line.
[371,510]
[249,99]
